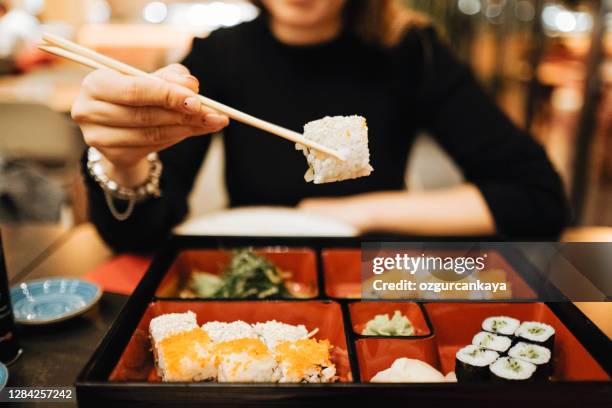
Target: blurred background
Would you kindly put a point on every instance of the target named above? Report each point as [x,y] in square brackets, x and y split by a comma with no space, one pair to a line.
[547,62]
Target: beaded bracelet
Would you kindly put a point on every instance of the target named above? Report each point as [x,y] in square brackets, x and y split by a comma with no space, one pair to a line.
[112,190]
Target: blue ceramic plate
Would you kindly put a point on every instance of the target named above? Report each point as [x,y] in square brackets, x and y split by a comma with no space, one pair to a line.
[3,376]
[47,301]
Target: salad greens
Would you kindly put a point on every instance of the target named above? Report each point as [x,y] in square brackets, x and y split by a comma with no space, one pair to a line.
[381,325]
[247,275]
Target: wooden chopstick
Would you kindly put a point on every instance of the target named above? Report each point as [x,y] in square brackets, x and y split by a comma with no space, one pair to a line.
[85,56]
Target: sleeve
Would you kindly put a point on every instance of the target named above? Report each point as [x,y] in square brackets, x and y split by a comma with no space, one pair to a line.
[152,220]
[518,182]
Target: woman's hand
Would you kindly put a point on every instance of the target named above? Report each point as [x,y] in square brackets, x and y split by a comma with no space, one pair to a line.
[127,117]
[454,211]
[349,210]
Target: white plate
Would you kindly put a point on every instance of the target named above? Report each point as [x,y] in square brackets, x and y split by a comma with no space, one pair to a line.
[265,221]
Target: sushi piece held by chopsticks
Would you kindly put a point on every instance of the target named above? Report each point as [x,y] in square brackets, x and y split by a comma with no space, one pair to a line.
[346,134]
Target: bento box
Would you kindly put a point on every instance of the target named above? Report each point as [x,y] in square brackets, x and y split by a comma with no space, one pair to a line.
[322,292]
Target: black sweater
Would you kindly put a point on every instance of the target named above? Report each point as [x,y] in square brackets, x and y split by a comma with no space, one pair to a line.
[418,84]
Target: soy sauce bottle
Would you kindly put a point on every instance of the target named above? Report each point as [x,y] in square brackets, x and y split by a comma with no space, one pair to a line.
[9,345]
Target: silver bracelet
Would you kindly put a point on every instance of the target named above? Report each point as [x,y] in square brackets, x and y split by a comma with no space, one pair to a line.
[112,190]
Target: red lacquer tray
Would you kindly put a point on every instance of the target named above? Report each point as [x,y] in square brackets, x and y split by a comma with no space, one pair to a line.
[326,272]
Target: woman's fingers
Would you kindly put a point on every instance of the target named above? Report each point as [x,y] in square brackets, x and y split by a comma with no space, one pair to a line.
[110,86]
[115,137]
[109,114]
[180,75]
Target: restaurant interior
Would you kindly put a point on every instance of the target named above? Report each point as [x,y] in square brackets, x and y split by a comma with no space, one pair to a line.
[547,63]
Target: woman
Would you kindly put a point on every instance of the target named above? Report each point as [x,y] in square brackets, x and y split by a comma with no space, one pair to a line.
[302,60]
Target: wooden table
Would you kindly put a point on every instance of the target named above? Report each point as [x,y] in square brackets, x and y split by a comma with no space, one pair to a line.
[54,355]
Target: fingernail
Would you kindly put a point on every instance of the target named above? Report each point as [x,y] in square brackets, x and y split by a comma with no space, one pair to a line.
[192,104]
[193,79]
[214,118]
[189,76]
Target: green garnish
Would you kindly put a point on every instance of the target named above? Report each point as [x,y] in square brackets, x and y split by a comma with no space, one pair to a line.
[530,354]
[535,330]
[513,365]
[381,325]
[486,340]
[475,352]
[498,324]
[247,276]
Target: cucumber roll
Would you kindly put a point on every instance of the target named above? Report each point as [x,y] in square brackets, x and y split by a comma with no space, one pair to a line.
[536,333]
[538,355]
[503,325]
[491,341]
[472,363]
[512,369]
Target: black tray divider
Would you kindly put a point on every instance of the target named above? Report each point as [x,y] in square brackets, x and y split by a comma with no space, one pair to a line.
[350,342]
[110,349]
[320,273]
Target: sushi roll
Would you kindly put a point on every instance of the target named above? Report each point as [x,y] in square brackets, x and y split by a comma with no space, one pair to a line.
[512,369]
[273,332]
[492,341]
[538,333]
[538,355]
[503,325]
[182,350]
[346,134]
[245,360]
[472,363]
[305,360]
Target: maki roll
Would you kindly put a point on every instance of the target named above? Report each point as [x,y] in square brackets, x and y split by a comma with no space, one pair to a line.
[472,363]
[538,355]
[492,341]
[537,333]
[245,360]
[305,360]
[346,134]
[182,350]
[503,325]
[512,369]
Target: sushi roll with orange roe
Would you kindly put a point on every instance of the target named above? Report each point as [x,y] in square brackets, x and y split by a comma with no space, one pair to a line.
[245,360]
[182,350]
[305,360]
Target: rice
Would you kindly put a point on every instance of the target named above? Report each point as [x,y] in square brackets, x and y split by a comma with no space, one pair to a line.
[346,134]
[476,356]
[501,325]
[222,331]
[168,324]
[535,331]
[492,341]
[533,353]
[273,332]
[512,369]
